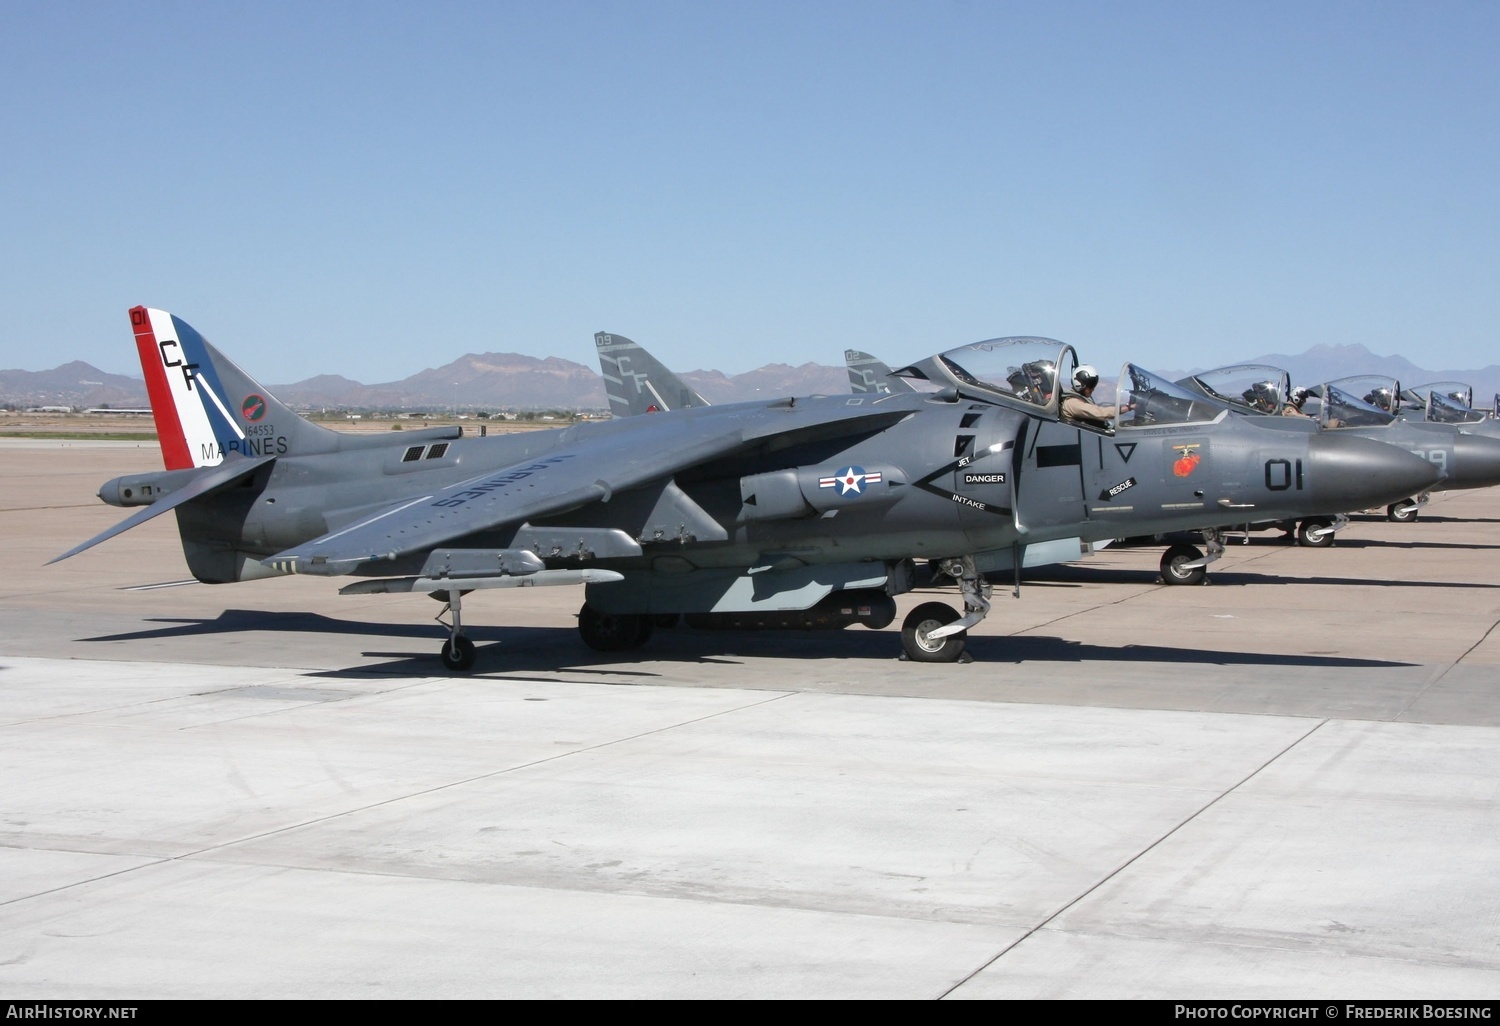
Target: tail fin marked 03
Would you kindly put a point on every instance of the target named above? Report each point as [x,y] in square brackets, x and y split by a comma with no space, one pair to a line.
[193,420]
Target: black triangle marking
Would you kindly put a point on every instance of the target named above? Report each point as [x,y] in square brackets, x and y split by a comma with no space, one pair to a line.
[1125,449]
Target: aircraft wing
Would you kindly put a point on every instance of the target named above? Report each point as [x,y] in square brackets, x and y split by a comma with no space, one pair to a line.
[231,470]
[588,470]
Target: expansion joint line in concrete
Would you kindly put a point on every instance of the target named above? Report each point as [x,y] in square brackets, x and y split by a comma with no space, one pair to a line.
[400,798]
[1107,877]
[1445,671]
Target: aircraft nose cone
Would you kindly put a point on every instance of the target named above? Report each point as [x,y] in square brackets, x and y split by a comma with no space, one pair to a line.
[1476,463]
[1357,473]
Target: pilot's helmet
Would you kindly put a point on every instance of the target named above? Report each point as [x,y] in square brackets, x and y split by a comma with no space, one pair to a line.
[1380,398]
[1040,374]
[1262,395]
[1085,377]
[1299,396]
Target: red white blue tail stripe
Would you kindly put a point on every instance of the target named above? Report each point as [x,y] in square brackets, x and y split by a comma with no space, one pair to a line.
[192,411]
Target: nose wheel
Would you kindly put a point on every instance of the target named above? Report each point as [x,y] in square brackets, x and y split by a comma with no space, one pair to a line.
[937,633]
[1403,512]
[917,630]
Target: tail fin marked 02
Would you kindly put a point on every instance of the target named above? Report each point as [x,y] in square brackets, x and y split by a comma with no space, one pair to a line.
[193,420]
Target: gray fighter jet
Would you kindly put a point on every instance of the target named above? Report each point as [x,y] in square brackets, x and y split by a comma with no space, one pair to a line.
[1366,406]
[797,512]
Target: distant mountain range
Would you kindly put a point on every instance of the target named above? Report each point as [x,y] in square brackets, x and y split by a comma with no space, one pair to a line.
[498,381]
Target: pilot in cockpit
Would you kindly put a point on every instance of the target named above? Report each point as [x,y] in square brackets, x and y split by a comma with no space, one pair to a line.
[1261,396]
[1381,399]
[1034,381]
[1078,406]
[1295,402]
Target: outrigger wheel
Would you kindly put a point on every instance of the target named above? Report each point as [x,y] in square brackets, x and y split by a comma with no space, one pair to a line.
[458,654]
[458,651]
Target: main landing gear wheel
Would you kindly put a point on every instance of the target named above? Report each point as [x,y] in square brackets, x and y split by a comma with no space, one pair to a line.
[613,632]
[928,617]
[1403,512]
[1315,533]
[1174,569]
[458,654]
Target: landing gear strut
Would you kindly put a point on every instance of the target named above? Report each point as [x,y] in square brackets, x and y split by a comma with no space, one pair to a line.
[458,651]
[935,632]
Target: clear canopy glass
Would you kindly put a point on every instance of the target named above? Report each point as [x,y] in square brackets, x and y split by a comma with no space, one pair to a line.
[1021,369]
[1254,388]
[1148,400]
[1377,390]
[1456,392]
[1443,409]
[1345,409]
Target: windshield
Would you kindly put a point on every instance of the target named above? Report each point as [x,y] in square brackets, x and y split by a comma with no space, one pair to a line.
[1147,400]
[1020,369]
[1379,391]
[1342,409]
[1256,388]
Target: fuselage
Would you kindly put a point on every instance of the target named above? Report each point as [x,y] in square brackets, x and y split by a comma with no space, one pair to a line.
[951,476]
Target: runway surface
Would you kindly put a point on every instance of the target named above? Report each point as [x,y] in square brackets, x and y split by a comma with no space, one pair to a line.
[1284,784]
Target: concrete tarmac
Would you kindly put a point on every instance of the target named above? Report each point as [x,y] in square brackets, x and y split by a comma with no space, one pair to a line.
[1283,784]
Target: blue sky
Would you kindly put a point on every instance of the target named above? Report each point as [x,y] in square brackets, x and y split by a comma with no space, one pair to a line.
[375,188]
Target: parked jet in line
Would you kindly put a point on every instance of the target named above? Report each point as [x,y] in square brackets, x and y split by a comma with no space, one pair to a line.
[1367,406]
[794,512]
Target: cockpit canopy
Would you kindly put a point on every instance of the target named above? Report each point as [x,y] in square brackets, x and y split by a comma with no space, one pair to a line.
[1023,369]
[1375,390]
[1344,409]
[1456,392]
[1156,401]
[1249,387]
[1033,373]
[1443,409]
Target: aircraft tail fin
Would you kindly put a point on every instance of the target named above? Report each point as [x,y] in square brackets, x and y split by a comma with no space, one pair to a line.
[869,375]
[637,382]
[206,407]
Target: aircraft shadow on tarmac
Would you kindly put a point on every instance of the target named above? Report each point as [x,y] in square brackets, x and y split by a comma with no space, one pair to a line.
[1078,576]
[506,650]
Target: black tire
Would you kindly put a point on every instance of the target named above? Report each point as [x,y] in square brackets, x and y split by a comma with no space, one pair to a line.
[1174,572]
[1314,533]
[611,632]
[929,616]
[458,654]
[1403,512]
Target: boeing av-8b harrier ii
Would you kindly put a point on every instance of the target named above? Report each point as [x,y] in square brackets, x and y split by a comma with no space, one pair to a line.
[1367,406]
[798,512]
